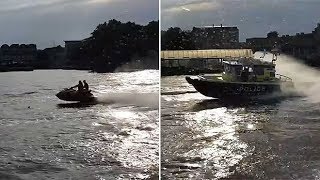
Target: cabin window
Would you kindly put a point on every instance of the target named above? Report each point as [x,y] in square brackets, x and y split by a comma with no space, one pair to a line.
[272,74]
[238,70]
[227,69]
[259,71]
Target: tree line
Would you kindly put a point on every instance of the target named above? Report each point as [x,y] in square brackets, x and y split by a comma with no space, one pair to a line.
[176,39]
[114,43]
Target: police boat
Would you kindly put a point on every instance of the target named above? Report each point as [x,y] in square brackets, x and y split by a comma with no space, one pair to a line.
[244,78]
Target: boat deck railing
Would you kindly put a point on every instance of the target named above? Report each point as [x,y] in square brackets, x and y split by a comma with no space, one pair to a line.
[283,77]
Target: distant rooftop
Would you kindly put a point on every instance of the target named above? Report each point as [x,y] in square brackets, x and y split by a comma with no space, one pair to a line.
[73,41]
[215,26]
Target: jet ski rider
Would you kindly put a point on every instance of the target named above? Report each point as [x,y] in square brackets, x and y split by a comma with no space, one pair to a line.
[86,86]
[80,87]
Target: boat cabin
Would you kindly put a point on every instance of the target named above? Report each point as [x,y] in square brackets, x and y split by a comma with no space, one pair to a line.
[252,72]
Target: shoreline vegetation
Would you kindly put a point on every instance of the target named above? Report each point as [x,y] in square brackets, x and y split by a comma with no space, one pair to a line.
[304,46]
[112,46]
[116,44]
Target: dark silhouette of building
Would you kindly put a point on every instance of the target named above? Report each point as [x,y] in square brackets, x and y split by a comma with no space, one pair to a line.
[316,34]
[71,47]
[18,54]
[56,56]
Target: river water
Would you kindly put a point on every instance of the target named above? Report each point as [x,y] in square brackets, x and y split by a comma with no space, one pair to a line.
[43,137]
[204,138]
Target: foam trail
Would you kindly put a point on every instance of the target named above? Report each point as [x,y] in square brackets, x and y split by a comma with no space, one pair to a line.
[306,79]
[138,99]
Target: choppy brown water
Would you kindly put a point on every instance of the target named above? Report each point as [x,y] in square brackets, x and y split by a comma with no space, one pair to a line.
[43,137]
[203,138]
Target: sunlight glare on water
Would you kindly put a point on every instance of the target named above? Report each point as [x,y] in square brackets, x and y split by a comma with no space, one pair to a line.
[44,137]
[226,150]
[206,138]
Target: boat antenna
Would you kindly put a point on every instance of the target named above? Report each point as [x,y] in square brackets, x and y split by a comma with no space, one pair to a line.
[275,52]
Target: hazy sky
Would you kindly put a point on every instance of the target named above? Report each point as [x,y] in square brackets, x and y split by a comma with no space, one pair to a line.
[49,22]
[254,18]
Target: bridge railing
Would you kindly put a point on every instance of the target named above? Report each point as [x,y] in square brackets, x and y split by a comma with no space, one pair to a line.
[283,77]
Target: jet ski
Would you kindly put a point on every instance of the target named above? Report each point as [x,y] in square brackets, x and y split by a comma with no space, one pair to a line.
[70,94]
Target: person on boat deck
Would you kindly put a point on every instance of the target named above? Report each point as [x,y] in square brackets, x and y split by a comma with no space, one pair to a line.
[245,74]
[80,86]
[85,85]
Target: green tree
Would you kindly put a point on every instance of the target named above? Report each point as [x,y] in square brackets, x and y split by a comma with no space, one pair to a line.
[176,39]
[114,43]
[273,34]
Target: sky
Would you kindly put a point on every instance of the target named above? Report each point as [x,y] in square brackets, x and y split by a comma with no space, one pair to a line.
[48,23]
[254,18]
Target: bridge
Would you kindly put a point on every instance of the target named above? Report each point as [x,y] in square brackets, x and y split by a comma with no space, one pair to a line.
[206,54]
[179,62]
[192,58]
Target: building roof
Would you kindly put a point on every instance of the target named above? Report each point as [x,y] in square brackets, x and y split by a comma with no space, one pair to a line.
[207,54]
[5,46]
[73,41]
[204,27]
